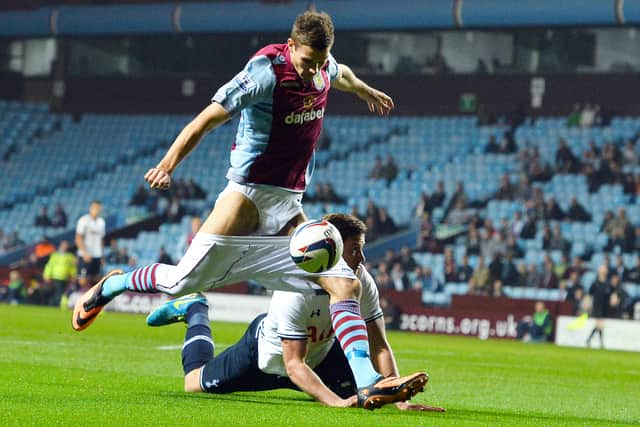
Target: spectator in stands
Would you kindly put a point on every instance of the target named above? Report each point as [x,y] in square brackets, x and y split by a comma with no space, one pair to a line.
[576,267]
[513,247]
[175,210]
[390,169]
[382,277]
[406,259]
[509,274]
[517,224]
[430,281]
[377,170]
[458,198]
[533,277]
[577,212]
[428,203]
[426,240]
[558,241]
[506,190]
[618,298]
[473,241]
[450,271]
[325,194]
[630,156]
[492,244]
[495,267]
[497,289]
[549,278]
[13,241]
[621,232]
[459,214]
[41,252]
[89,239]
[566,161]
[194,190]
[60,272]
[42,219]
[464,271]
[59,217]
[399,277]
[16,288]
[536,328]
[573,120]
[553,212]
[561,266]
[163,256]
[588,116]
[523,190]
[140,197]
[633,274]
[620,268]
[492,145]
[479,283]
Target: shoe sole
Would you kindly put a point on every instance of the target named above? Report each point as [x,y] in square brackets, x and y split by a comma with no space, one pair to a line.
[407,391]
[82,319]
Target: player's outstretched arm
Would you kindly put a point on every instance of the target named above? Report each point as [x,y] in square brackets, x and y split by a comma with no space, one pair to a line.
[377,101]
[293,353]
[208,119]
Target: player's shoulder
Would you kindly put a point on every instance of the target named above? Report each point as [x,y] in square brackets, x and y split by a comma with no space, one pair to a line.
[273,52]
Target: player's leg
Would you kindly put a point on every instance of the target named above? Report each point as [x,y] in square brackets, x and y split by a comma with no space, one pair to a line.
[233,214]
[350,329]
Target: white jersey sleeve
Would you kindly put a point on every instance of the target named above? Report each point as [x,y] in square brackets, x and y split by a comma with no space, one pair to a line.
[252,85]
[370,299]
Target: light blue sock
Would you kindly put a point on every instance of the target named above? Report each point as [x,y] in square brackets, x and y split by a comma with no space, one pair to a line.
[351,332]
[141,279]
[115,285]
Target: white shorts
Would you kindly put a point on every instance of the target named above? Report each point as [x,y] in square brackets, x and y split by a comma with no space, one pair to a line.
[276,206]
[214,261]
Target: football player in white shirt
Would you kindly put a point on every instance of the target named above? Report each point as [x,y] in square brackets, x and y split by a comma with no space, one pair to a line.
[90,232]
[293,345]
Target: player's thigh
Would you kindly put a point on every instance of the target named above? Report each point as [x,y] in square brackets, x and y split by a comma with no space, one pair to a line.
[234,214]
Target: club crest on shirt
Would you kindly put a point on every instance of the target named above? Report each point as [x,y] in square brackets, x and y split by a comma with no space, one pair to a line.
[318,81]
[279,60]
[244,82]
[307,102]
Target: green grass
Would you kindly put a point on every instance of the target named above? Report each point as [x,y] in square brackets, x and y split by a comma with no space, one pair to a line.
[114,373]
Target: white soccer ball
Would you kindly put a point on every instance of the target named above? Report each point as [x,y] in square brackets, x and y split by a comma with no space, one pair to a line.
[316,246]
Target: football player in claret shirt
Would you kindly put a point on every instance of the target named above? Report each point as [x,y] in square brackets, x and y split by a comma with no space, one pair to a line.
[281,96]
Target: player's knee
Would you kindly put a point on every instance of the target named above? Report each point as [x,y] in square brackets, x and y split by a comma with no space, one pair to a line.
[192,381]
[341,288]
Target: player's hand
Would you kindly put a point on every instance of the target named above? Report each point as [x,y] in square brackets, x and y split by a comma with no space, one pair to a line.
[86,258]
[406,406]
[349,402]
[158,179]
[377,101]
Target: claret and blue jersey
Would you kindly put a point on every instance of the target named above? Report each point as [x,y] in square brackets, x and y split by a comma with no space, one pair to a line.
[281,119]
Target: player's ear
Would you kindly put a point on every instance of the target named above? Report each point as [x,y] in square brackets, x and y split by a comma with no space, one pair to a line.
[291,43]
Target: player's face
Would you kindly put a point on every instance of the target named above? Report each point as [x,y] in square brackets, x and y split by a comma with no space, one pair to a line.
[306,60]
[353,252]
[95,209]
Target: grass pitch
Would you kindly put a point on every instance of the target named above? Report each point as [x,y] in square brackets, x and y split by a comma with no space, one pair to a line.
[120,372]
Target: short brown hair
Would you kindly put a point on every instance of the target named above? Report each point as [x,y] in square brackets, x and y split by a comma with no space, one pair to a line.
[347,225]
[314,29]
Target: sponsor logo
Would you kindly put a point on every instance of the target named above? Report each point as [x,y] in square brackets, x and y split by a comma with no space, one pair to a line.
[279,60]
[294,118]
[307,102]
[315,312]
[213,383]
[244,82]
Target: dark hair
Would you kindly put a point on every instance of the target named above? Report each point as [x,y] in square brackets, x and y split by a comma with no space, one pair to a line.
[314,29]
[347,225]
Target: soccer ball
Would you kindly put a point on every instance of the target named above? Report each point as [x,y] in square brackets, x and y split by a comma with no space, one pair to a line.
[316,246]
